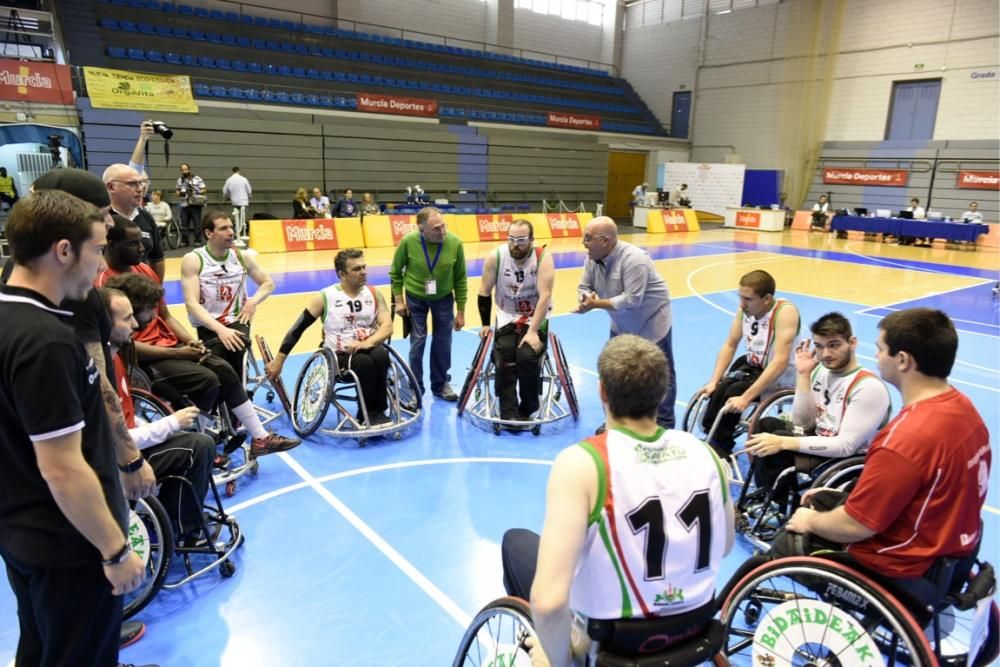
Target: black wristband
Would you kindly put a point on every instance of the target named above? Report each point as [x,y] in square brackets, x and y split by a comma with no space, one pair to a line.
[132,466]
[485,304]
[120,555]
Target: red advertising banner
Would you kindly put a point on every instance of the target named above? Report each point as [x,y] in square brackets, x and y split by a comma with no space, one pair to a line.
[574,121]
[748,219]
[563,225]
[35,82]
[493,227]
[401,226]
[404,106]
[317,234]
[674,221]
[978,180]
[852,176]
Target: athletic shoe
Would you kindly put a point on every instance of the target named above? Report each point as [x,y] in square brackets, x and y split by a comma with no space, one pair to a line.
[379,419]
[446,393]
[272,443]
[131,632]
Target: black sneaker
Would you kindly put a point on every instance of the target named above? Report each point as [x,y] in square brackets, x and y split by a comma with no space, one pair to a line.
[446,393]
[131,632]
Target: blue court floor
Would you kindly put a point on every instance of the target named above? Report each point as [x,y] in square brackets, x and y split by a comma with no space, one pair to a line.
[380,556]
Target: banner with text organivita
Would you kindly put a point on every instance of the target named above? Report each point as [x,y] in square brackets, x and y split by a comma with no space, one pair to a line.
[119,89]
[404,106]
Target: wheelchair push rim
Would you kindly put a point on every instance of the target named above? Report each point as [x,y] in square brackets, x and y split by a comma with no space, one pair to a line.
[478,361]
[496,636]
[313,391]
[152,540]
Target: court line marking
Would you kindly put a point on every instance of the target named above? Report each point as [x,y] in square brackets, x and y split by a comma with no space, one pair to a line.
[698,294]
[847,248]
[951,380]
[972,333]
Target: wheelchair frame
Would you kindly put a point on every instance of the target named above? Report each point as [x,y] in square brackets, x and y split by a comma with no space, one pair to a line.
[555,383]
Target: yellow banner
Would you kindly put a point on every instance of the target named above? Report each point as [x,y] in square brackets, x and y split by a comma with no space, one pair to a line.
[119,89]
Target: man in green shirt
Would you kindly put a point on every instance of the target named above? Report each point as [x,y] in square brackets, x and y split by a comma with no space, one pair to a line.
[428,275]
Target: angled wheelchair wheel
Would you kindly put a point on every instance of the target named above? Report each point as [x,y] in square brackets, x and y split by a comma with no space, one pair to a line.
[496,636]
[402,382]
[565,379]
[172,234]
[691,422]
[811,611]
[152,540]
[842,474]
[313,392]
[148,408]
[279,384]
[478,361]
[778,405]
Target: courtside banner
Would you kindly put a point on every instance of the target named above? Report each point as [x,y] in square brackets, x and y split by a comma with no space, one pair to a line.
[22,81]
[562,225]
[978,180]
[493,227]
[268,236]
[748,220]
[574,121]
[385,231]
[119,89]
[851,176]
[670,220]
[404,106]
[319,234]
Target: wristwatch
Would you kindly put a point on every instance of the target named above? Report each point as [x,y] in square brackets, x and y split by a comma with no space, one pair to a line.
[119,557]
[133,465]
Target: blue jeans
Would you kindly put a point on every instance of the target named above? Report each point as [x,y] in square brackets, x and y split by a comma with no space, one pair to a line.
[443,318]
[665,414]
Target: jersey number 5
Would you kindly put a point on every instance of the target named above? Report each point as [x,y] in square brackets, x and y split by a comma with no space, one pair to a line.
[696,513]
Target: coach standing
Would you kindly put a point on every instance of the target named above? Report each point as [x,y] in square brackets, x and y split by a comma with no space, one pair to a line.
[428,275]
[62,512]
[620,278]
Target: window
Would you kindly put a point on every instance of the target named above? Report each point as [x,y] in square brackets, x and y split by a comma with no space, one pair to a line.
[591,11]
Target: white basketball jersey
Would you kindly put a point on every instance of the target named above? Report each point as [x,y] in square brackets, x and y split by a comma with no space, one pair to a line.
[758,334]
[223,283]
[517,286]
[658,529]
[831,394]
[347,319]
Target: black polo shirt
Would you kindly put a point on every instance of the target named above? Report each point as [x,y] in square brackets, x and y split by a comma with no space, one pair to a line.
[49,387]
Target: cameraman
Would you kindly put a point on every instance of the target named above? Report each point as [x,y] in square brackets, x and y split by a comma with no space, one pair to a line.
[191,191]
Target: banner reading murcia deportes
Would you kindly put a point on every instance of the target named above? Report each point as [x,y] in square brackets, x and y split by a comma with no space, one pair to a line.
[307,234]
[23,81]
[119,89]
[574,121]
[404,106]
[978,180]
[851,176]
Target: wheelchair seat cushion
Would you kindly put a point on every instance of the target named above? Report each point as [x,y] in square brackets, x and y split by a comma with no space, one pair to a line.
[694,651]
[643,636]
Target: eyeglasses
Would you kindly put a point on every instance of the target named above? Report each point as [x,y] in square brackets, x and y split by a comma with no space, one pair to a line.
[519,240]
[588,239]
[135,185]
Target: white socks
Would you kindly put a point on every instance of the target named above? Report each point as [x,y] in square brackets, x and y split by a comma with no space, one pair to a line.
[248,416]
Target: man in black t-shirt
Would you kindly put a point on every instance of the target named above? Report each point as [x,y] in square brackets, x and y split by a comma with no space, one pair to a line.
[126,187]
[62,514]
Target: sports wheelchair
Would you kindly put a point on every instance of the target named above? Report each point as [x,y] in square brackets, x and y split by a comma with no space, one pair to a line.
[804,610]
[321,383]
[153,539]
[555,384]
[498,632]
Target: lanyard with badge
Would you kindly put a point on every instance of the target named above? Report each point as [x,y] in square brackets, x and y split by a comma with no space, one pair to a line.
[430,285]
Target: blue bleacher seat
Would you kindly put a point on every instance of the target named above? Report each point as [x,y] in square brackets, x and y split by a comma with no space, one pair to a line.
[290,25]
[272,45]
[260,44]
[261,22]
[270,69]
[222,63]
[285,70]
[239,66]
[237,93]
[172,58]
[180,33]
[185,10]
[201,12]
[340,76]
[154,56]
[216,15]
[352,103]
[312,100]
[365,79]
[110,24]
[352,77]
[274,23]
[299,72]
[474,114]
[327,75]
[302,49]
[213,37]
[288,47]
[316,51]
[313,74]
[146,28]
[153,4]
[206,61]
[297,98]
[229,40]
[253,94]
[197,35]
[127,26]
[189,60]
[267,96]
[117,52]
[255,67]
[136,54]
[246,19]
[325,101]
[282,96]
[340,102]
[202,89]
[232,17]
[328,52]
[168,7]
[378,81]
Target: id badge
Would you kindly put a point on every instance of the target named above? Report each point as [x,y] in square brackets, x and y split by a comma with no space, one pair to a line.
[430,287]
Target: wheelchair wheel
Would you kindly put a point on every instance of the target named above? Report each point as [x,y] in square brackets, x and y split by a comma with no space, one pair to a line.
[172,234]
[841,475]
[402,381]
[777,405]
[811,611]
[692,414]
[496,635]
[279,384]
[152,540]
[313,392]
[478,362]
[565,379]
[148,408]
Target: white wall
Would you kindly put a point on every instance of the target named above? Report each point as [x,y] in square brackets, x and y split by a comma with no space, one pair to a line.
[464,19]
[748,91]
[551,34]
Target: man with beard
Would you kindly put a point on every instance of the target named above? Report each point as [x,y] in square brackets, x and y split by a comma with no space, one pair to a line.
[523,276]
[838,406]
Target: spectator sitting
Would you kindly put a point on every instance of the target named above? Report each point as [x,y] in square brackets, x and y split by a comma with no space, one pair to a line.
[346,207]
[301,208]
[159,209]
[368,205]
[321,203]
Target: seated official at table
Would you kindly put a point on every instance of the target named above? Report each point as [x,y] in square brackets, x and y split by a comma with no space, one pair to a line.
[820,214]
[919,213]
[973,214]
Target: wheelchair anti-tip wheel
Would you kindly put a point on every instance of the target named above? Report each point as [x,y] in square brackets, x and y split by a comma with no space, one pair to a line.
[496,636]
[152,540]
[313,392]
[811,611]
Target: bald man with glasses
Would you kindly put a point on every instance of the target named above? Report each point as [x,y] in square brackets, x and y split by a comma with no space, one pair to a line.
[126,186]
[621,279]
